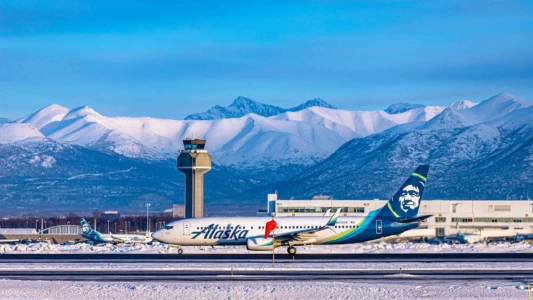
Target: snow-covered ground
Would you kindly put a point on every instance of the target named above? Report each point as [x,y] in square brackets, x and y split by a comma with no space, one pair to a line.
[403,247]
[396,289]
[262,290]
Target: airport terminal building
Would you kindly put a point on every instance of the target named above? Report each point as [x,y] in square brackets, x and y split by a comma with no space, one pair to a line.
[488,218]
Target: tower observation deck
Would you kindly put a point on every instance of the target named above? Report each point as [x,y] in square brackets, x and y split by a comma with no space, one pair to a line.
[194,162]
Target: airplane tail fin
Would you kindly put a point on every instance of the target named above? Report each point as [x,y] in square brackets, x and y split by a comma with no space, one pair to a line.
[86,229]
[89,233]
[406,201]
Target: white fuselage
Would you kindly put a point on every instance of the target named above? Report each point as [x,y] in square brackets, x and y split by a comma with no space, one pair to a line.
[125,238]
[236,231]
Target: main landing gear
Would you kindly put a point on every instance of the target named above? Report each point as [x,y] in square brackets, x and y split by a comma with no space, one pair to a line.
[291,250]
[180,251]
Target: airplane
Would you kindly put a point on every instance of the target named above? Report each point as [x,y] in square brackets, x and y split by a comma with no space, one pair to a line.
[262,234]
[464,238]
[93,235]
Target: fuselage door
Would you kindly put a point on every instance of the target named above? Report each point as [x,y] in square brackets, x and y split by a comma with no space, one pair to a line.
[379,227]
[186,228]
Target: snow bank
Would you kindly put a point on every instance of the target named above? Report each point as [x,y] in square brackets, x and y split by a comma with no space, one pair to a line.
[403,247]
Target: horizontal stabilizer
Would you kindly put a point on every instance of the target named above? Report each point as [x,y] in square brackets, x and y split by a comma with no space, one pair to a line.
[411,220]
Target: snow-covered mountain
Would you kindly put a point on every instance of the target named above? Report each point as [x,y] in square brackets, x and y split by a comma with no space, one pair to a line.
[300,137]
[41,118]
[10,132]
[358,123]
[490,109]
[57,154]
[243,106]
[483,152]
[400,107]
[248,140]
[364,123]
[462,104]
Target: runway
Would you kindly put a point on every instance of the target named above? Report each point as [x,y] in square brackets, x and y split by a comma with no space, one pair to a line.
[255,258]
[257,267]
[270,274]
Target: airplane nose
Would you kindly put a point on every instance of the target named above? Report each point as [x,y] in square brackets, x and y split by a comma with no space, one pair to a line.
[158,235]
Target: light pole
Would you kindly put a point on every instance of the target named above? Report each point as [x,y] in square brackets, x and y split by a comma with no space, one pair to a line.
[108,227]
[147,220]
[115,226]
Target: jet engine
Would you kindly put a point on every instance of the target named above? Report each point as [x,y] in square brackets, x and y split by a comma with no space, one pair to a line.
[259,244]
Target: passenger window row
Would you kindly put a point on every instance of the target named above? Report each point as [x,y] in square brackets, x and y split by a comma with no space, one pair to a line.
[277,227]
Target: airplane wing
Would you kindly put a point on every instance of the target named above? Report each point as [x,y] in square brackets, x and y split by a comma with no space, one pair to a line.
[307,234]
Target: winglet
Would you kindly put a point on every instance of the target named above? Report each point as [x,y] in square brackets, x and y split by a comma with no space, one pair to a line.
[326,214]
[334,218]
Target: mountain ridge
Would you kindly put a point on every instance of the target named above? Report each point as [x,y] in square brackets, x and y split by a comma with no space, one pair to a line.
[317,150]
[242,106]
[472,161]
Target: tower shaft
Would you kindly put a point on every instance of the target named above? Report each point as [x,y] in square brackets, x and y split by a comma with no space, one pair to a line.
[194,162]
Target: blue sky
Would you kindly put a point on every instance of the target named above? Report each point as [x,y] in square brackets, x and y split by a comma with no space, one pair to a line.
[171,58]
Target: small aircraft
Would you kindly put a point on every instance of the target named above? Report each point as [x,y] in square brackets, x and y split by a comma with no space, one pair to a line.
[262,234]
[93,235]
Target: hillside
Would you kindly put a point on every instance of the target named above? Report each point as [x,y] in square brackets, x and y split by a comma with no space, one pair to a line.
[474,154]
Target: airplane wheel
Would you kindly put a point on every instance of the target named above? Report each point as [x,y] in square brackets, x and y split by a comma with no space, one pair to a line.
[291,250]
[180,251]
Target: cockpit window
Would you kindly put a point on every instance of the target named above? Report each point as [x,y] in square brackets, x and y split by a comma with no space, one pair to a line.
[167,227]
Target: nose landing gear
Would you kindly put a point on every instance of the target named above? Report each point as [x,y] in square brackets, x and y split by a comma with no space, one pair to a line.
[291,250]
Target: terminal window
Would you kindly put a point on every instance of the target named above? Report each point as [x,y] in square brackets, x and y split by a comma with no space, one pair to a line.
[503,220]
[439,232]
[440,219]
[462,220]
[317,209]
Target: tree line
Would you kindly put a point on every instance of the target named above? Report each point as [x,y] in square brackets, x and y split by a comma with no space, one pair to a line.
[104,224]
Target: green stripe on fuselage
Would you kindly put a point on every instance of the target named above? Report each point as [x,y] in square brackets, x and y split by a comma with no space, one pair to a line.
[334,238]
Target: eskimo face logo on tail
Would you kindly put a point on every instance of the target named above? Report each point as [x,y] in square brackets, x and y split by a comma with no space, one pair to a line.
[406,201]
[409,198]
[85,228]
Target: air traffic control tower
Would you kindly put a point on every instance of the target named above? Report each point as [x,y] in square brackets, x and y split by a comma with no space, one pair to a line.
[194,162]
